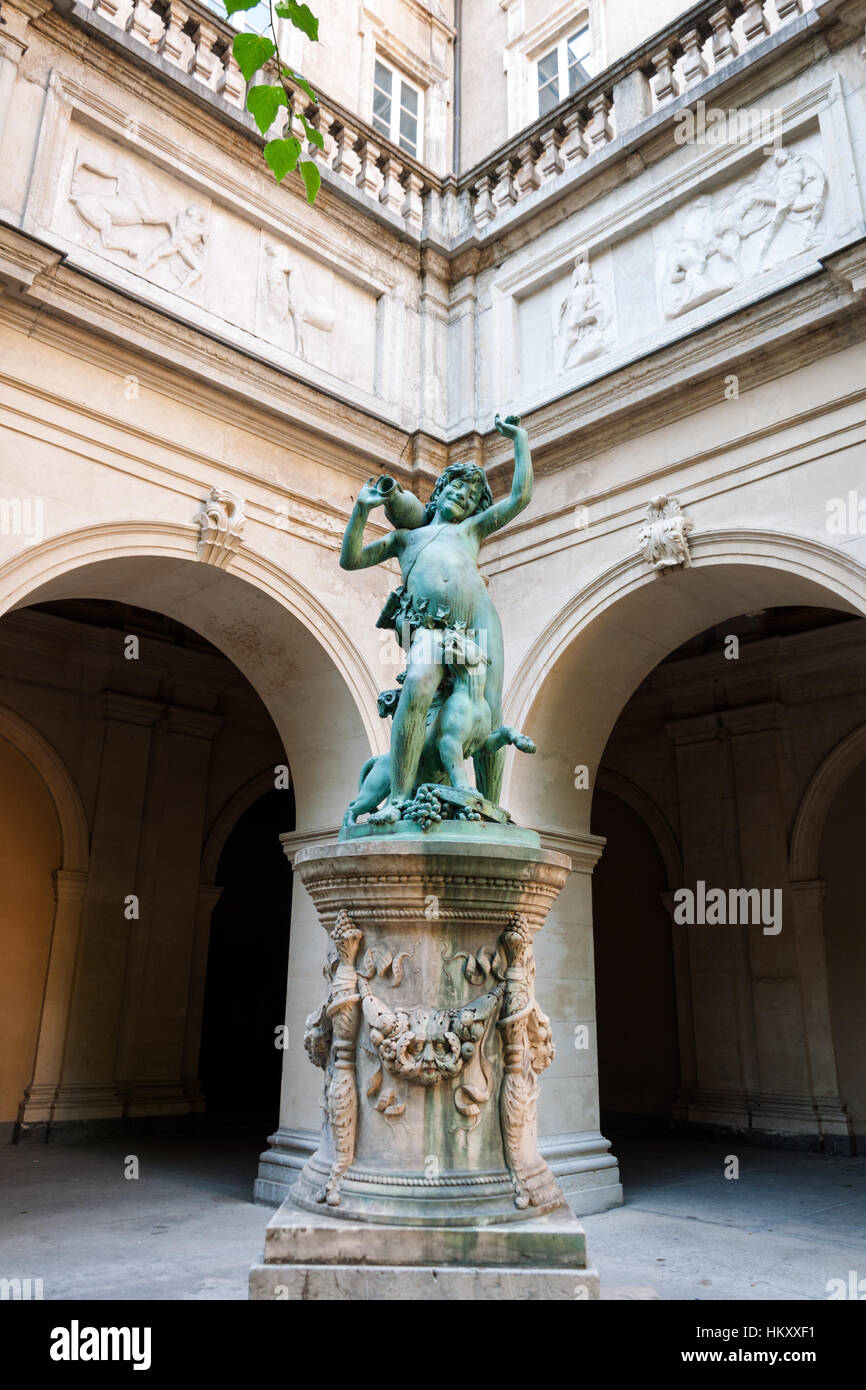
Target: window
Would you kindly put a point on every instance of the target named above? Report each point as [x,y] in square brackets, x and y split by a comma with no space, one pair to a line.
[564,69]
[397,104]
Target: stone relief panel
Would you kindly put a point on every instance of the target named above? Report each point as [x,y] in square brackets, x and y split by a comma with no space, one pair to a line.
[289,313]
[118,206]
[296,311]
[582,329]
[711,229]
[567,324]
[722,239]
[127,214]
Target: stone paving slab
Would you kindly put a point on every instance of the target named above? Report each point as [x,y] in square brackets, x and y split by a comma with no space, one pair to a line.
[187,1228]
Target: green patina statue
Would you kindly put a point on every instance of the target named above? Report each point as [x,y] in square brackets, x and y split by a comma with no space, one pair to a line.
[450,705]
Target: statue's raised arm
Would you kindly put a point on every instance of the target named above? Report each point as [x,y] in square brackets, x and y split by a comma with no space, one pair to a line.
[500,513]
[354,555]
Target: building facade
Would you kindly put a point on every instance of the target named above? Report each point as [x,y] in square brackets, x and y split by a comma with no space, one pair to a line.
[639,227]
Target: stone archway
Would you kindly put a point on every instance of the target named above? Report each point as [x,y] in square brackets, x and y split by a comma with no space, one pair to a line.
[569,690]
[602,643]
[817,800]
[302,663]
[304,666]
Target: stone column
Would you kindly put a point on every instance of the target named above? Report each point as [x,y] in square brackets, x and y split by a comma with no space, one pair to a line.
[301,1092]
[462,322]
[783,1099]
[570,1138]
[807,911]
[69,890]
[88,1088]
[433,333]
[17,15]
[206,900]
[726,1067]
[152,1044]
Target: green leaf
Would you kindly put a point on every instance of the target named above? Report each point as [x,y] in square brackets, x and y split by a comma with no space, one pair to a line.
[301,16]
[251,52]
[232,6]
[301,82]
[281,156]
[264,102]
[312,178]
[314,136]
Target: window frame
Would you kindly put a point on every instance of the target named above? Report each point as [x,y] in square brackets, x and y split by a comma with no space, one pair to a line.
[561,49]
[399,80]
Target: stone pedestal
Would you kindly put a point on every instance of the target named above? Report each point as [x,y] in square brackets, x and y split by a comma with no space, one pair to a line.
[428,1181]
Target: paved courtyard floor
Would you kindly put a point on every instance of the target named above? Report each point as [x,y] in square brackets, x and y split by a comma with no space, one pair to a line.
[185,1228]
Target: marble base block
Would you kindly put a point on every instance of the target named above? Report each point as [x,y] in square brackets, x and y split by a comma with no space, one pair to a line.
[314,1255]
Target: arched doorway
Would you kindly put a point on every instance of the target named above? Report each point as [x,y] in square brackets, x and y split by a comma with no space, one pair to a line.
[745,1034]
[162,761]
[714,736]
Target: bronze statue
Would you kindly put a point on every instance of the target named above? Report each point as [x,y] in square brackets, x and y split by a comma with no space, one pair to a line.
[447,625]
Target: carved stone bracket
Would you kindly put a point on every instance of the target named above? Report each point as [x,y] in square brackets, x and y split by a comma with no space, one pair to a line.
[221,521]
[664,537]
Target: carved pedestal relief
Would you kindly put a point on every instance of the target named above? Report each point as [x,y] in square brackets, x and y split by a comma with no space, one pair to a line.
[721,240]
[528,1046]
[330,1041]
[664,537]
[429,1046]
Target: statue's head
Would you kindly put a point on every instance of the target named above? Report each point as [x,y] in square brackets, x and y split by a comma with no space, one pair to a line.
[460,491]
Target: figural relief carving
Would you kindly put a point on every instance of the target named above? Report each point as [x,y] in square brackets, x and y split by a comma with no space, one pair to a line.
[221,521]
[288,308]
[664,536]
[527,1040]
[422,1045]
[426,1046]
[720,241]
[117,202]
[330,1043]
[583,320]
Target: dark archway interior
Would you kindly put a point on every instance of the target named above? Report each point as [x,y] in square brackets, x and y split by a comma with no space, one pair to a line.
[724,748]
[638,1051]
[159,731]
[245,994]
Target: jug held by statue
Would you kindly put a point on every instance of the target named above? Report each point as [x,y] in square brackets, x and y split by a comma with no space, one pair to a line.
[402,508]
